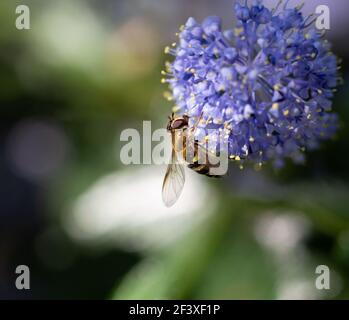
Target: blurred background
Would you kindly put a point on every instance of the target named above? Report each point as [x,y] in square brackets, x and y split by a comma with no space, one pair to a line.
[89,227]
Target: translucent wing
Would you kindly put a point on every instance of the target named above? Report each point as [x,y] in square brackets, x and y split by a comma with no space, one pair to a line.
[173,182]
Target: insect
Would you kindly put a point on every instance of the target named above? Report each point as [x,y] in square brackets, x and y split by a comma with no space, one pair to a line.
[182,140]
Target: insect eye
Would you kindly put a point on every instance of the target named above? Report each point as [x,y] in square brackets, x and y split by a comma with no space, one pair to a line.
[177,124]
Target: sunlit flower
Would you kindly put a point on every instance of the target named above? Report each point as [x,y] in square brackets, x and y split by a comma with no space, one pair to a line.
[267,84]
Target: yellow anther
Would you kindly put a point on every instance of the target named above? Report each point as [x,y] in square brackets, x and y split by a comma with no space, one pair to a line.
[168,66]
[221,87]
[300,6]
[275,106]
[286,113]
[238,31]
[168,96]
[175,109]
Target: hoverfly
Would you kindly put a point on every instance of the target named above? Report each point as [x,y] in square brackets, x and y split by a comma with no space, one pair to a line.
[181,135]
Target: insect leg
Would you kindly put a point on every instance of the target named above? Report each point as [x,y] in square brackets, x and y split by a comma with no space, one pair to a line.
[194,127]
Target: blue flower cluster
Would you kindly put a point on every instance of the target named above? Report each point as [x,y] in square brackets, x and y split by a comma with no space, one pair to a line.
[266,85]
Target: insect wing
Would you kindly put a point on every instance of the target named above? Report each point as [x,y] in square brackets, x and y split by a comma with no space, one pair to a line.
[173,182]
